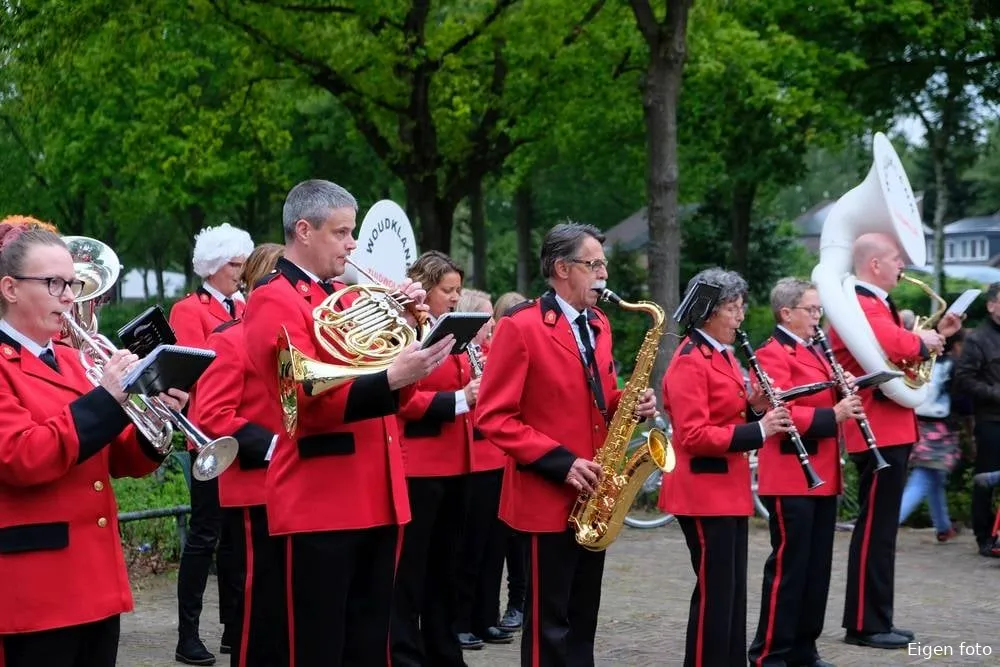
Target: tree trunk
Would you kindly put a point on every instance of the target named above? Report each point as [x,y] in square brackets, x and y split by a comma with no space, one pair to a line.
[524,216]
[145,283]
[434,215]
[667,52]
[741,210]
[477,220]
[939,151]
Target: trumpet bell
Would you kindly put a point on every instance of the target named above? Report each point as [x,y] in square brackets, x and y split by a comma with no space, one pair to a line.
[214,457]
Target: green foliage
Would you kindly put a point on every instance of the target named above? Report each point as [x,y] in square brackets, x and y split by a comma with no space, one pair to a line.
[152,541]
[114,316]
[628,327]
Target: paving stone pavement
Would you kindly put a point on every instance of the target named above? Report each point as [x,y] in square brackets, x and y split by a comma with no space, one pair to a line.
[946,593]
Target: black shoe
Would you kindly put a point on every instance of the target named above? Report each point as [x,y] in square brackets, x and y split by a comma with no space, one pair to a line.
[876,639]
[226,643]
[469,641]
[494,635]
[989,550]
[512,620]
[192,652]
[225,648]
[906,633]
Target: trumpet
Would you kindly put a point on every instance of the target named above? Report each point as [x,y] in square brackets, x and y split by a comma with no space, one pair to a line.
[97,265]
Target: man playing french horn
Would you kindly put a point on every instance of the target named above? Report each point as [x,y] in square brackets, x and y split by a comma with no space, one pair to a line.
[868,605]
[555,351]
[336,490]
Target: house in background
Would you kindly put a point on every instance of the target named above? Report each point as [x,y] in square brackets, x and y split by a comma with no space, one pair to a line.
[809,225]
[632,233]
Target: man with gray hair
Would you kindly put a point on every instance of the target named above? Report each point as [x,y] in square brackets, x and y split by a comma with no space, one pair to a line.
[336,490]
[546,396]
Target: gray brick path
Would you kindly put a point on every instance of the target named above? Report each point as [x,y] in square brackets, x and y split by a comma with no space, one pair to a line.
[946,593]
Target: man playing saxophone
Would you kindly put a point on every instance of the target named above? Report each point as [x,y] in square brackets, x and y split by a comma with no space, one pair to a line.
[868,603]
[546,398]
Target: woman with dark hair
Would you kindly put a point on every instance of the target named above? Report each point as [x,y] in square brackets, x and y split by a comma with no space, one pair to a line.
[709,488]
[438,453]
[231,398]
[61,441]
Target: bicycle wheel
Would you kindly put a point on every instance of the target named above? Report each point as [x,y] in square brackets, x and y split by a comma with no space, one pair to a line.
[644,513]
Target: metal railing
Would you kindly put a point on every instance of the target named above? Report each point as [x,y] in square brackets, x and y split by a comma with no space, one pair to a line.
[179,513]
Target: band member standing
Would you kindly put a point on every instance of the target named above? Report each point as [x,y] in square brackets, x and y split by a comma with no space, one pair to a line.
[219,253]
[484,537]
[802,520]
[871,564]
[227,392]
[517,543]
[335,490]
[546,397]
[61,441]
[977,375]
[709,488]
[437,453]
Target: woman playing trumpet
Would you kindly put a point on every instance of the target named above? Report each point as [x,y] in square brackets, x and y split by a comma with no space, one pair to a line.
[61,441]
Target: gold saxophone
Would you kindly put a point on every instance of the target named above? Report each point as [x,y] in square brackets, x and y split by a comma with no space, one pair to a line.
[597,519]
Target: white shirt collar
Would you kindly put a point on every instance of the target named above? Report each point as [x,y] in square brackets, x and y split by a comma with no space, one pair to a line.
[25,342]
[793,335]
[874,289]
[219,296]
[711,341]
[569,311]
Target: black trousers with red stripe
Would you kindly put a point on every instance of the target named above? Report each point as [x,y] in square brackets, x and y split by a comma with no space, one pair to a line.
[796,580]
[339,587]
[563,599]
[871,564]
[717,620]
[260,625]
[86,645]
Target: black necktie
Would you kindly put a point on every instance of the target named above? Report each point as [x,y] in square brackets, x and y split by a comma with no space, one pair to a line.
[230,306]
[327,286]
[49,358]
[892,309]
[590,363]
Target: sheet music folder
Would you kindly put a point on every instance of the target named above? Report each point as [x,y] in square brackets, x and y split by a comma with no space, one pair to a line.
[168,366]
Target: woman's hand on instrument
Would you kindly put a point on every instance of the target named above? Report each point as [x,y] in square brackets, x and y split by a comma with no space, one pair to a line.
[584,476]
[777,420]
[174,398]
[646,407]
[849,408]
[414,363]
[758,399]
[114,372]
[472,392]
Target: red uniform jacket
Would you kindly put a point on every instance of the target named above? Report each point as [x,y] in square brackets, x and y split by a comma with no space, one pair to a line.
[193,319]
[436,442]
[197,315]
[779,473]
[344,467]
[227,392]
[892,424]
[536,404]
[61,560]
[706,398]
[485,455]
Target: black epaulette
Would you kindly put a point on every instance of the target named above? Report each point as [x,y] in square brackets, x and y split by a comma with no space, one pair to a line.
[524,305]
[268,278]
[688,347]
[225,325]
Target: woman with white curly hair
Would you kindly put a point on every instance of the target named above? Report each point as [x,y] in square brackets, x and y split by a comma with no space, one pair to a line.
[219,255]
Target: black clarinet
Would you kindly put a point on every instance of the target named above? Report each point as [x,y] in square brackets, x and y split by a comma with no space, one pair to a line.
[812,479]
[846,390]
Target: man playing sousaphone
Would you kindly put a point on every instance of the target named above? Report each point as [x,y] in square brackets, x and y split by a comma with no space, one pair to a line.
[868,605]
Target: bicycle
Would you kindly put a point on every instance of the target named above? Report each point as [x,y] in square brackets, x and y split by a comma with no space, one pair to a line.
[644,512]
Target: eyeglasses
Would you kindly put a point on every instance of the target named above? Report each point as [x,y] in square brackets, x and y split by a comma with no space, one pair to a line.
[812,310]
[57,285]
[733,308]
[594,265]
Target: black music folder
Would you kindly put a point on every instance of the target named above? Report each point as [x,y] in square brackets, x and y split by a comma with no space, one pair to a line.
[166,367]
[146,331]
